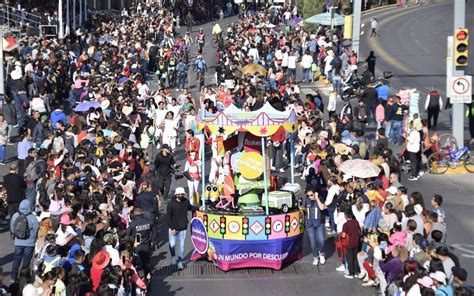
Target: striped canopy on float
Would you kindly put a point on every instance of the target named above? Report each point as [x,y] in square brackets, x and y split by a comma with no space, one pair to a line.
[262,123]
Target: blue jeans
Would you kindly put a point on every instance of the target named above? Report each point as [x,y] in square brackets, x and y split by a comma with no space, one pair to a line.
[306,74]
[316,239]
[292,73]
[31,192]
[182,80]
[330,214]
[21,254]
[337,84]
[180,237]
[3,153]
[388,126]
[396,131]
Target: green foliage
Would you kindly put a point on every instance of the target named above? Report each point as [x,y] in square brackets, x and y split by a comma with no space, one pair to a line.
[310,8]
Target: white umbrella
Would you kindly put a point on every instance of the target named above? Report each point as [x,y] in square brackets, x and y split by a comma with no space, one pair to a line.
[360,168]
[238,1]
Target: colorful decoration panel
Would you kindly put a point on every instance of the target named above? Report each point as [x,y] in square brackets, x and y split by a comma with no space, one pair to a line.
[242,227]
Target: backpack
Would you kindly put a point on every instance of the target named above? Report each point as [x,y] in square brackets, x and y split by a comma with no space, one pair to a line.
[21,229]
[319,103]
[201,64]
[32,171]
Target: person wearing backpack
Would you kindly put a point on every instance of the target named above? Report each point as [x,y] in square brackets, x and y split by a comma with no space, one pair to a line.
[24,227]
[15,187]
[33,172]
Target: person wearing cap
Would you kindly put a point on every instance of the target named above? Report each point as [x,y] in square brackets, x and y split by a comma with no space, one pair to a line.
[459,282]
[178,221]
[65,233]
[164,168]
[440,285]
[24,248]
[141,231]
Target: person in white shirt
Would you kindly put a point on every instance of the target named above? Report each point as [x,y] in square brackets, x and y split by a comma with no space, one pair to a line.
[65,232]
[332,103]
[284,60]
[287,16]
[306,63]
[292,65]
[330,202]
[413,148]
[360,209]
[253,52]
[328,69]
[373,26]
[111,241]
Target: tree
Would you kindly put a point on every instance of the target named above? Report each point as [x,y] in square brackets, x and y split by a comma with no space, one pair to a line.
[310,8]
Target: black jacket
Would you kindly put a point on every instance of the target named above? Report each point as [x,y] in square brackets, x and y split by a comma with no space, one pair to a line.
[15,186]
[147,201]
[164,164]
[178,214]
[142,226]
[9,113]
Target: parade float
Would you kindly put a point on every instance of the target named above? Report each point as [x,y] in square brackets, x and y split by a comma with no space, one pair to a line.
[247,217]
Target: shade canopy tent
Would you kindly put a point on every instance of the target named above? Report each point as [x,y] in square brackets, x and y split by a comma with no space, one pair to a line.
[262,123]
[325,19]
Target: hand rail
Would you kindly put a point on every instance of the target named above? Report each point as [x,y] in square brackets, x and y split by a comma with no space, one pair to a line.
[14,9]
[8,14]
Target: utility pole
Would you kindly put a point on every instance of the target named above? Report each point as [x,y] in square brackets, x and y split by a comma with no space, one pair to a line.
[458,109]
[356,25]
[2,74]
[80,12]
[60,17]
[68,23]
[74,15]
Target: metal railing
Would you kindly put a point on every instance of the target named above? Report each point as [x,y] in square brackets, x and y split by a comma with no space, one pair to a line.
[11,16]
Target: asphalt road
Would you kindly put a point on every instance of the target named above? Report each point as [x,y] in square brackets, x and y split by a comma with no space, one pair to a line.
[301,278]
[412,43]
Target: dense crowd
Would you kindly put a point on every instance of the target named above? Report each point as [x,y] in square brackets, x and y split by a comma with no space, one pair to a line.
[97,152]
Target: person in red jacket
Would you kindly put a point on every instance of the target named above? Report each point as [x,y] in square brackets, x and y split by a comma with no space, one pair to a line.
[192,143]
[351,228]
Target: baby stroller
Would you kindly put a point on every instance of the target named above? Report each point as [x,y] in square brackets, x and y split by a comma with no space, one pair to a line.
[404,161]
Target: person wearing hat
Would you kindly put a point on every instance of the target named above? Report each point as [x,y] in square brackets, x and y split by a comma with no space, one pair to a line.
[178,221]
[65,233]
[440,285]
[100,261]
[426,284]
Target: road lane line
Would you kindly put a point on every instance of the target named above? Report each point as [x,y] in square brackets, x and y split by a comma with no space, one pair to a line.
[374,44]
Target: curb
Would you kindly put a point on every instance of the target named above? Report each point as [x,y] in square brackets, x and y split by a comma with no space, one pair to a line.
[378,8]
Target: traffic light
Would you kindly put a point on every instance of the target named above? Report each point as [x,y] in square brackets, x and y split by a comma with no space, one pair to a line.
[245,226]
[348,27]
[461,47]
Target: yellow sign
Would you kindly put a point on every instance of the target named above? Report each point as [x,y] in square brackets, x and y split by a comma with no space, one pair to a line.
[251,165]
